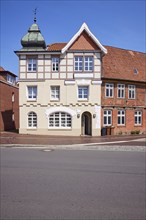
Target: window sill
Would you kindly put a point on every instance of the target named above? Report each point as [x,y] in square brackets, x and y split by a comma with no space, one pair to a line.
[31,100]
[32,129]
[54,100]
[121,125]
[58,128]
[83,100]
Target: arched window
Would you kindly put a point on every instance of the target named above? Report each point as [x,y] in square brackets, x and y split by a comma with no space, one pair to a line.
[60,120]
[32,120]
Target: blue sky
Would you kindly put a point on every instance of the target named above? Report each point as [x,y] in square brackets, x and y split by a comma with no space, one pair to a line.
[115,23]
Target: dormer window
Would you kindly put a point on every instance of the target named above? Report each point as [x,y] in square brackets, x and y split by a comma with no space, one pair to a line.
[31,65]
[10,79]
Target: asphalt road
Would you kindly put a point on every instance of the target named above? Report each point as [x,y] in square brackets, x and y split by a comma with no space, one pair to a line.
[38,185]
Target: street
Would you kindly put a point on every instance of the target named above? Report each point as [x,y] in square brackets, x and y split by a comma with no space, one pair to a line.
[70,184]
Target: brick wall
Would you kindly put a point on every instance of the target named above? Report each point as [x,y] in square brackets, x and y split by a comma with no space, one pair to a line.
[9,110]
[129,121]
[128,105]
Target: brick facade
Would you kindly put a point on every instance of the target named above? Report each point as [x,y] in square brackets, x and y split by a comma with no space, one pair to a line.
[127,68]
[9,107]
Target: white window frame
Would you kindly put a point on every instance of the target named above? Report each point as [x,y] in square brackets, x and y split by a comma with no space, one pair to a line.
[82,92]
[55,93]
[88,63]
[60,120]
[121,117]
[107,115]
[32,120]
[11,79]
[131,91]
[77,62]
[138,118]
[109,90]
[31,65]
[32,93]
[13,96]
[55,64]
[121,91]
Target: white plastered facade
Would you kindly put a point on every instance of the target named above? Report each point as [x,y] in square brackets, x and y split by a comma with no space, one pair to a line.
[68,81]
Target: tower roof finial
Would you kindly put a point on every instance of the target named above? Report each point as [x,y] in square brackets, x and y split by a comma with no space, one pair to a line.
[35,10]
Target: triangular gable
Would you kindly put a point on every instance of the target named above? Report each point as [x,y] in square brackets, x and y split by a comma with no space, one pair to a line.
[81,35]
[84,42]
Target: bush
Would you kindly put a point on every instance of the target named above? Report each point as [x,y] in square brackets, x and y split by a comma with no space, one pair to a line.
[120,132]
[135,132]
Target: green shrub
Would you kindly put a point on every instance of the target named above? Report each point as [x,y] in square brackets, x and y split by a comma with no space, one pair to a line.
[135,132]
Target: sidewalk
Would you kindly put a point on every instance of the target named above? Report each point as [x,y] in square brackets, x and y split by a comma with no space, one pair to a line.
[11,138]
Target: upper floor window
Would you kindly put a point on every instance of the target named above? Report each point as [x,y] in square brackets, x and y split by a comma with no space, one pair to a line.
[131,91]
[55,64]
[107,117]
[10,79]
[121,91]
[31,92]
[78,63]
[83,63]
[88,63]
[55,92]
[83,92]
[138,117]
[32,120]
[121,117]
[60,120]
[109,90]
[31,65]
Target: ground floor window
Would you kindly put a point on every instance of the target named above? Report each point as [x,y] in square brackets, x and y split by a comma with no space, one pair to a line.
[107,117]
[138,117]
[32,120]
[121,117]
[60,120]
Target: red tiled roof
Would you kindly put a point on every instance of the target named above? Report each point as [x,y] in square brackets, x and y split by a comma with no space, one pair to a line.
[1,69]
[121,64]
[118,63]
[56,46]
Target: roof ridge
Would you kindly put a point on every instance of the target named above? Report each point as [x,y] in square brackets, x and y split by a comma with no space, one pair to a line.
[124,49]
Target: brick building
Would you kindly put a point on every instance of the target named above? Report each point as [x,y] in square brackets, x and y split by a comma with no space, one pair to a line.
[9,108]
[124,91]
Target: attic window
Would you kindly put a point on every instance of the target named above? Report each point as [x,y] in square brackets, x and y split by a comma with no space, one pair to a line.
[135,71]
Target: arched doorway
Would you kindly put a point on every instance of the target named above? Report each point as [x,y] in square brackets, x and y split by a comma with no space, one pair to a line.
[86,123]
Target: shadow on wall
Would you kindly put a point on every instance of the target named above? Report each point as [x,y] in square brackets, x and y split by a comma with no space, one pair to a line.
[8,122]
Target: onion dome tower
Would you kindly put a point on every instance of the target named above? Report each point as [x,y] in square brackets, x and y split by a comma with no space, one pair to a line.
[33,40]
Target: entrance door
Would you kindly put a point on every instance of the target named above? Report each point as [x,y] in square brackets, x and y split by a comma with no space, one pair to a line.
[86,123]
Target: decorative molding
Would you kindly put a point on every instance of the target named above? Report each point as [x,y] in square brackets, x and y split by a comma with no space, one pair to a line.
[83,82]
[99,82]
[83,75]
[60,109]
[69,82]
